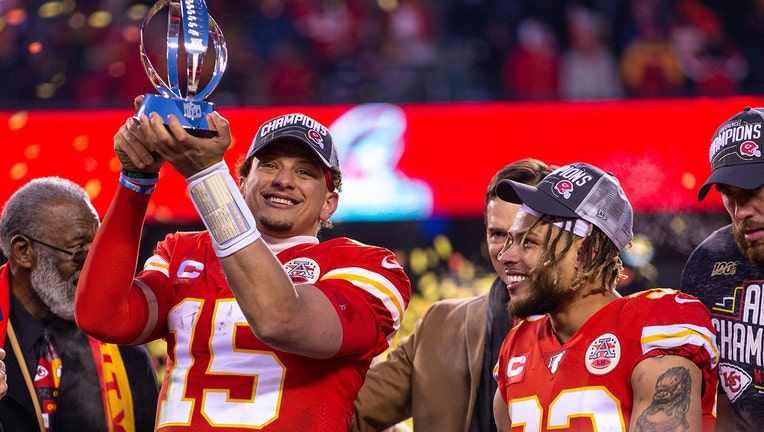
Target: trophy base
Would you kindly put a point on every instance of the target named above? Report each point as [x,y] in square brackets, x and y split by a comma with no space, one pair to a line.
[192,114]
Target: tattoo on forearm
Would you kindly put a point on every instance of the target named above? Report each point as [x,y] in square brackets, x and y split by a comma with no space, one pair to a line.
[668,410]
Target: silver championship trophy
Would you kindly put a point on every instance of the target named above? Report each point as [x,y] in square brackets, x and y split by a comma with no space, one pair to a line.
[198,28]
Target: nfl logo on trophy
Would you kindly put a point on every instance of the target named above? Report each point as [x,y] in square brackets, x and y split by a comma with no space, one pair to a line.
[198,28]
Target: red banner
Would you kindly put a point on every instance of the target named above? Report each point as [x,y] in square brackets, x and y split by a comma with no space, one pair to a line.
[414,161]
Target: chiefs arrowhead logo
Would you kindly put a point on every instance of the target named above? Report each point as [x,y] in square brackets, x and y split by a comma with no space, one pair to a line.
[734,380]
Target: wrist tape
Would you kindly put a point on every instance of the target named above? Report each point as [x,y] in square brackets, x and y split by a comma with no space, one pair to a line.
[144,185]
[222,208]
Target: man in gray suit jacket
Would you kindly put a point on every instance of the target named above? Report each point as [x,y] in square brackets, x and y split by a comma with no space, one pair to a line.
[425,376]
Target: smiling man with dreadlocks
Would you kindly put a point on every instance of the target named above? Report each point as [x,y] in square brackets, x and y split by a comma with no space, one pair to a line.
[585,358]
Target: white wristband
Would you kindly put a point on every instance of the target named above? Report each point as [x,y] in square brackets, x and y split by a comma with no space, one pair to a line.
[225,214]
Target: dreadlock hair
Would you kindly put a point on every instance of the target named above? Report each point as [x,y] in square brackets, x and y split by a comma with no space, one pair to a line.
[597,254]
[600,260]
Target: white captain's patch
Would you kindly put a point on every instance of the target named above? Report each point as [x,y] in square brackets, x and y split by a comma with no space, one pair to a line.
[302,270]
[603,354]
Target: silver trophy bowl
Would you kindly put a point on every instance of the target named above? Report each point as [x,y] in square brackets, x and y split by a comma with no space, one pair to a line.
[198,28]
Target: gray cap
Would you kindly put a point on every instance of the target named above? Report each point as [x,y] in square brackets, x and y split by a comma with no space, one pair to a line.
[301,129]
[578,190]
[735,152]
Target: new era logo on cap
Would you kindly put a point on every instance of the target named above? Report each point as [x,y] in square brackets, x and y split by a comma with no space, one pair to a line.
[299,128]
[736,152]
[578,190]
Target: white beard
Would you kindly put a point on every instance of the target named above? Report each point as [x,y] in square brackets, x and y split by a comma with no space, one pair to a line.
[55,292]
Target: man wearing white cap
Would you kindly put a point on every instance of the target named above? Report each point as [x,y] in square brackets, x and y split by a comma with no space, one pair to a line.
[726,271]
[268,329]
[585,358]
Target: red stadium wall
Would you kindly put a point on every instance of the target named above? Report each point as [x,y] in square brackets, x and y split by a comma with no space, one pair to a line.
[658,149]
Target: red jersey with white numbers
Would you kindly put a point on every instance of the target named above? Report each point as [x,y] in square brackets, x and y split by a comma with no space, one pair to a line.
[221,378]
[585,384]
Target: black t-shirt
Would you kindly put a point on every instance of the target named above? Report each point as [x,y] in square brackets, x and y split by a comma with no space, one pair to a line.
[79,405]
[732,288]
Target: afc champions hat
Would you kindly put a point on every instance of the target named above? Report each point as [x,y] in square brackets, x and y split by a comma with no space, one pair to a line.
[301,129]
[578,190]
[735,152]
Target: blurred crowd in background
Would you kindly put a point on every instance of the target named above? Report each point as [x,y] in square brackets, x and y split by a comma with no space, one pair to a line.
[85,53]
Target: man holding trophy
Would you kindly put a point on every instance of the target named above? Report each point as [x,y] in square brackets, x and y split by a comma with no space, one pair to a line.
[267,328]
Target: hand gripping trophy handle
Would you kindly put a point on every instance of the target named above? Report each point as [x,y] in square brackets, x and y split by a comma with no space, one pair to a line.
[198,28]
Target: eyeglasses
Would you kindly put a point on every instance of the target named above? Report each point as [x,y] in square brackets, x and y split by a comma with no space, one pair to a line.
[77,256]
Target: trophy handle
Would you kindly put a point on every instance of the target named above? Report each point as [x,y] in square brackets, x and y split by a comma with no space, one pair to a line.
[173,30]
[174,17]
[198,28]
[221,59]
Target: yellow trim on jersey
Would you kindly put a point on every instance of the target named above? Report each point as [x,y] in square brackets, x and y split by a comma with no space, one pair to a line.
[671,336]
[376,285]
[157,263]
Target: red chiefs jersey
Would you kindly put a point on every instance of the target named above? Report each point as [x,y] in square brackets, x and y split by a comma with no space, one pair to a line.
[585,384]
[221,378]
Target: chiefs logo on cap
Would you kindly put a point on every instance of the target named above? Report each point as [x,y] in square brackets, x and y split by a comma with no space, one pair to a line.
[316,137]
[750,149]
[564,188]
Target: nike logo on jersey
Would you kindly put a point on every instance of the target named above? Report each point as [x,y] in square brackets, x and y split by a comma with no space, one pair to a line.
[389,263]
[682,300]
[679,297]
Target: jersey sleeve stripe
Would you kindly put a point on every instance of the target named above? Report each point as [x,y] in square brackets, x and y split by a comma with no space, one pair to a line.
[157,263]
[674,336]
[152,312]
[376,285]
